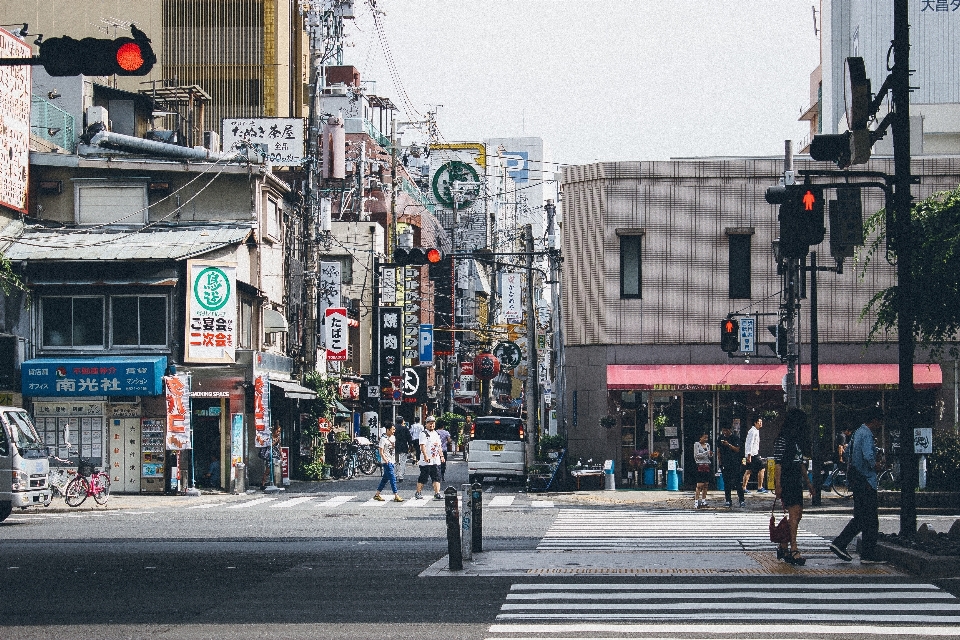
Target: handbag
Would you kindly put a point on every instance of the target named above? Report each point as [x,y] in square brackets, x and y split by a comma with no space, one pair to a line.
[779,532]
[703,468]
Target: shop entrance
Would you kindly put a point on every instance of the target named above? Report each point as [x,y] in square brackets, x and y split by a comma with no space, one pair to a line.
[208,435]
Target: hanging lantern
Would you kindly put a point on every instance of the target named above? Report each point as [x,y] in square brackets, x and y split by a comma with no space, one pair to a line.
[486,366]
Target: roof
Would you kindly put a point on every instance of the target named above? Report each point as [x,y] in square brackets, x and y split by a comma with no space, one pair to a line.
[294,390]
[154,243]
[712,377]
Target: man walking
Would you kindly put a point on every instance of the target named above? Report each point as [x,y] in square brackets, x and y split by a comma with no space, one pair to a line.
[415,430]
[403,447]
[862,480]
[751,451]
[728,450]
[431,455]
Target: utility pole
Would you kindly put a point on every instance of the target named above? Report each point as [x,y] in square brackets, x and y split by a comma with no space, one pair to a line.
[532,394]
[792,294]
[558,379]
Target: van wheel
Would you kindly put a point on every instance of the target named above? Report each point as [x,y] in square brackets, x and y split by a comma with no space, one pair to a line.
[6,508]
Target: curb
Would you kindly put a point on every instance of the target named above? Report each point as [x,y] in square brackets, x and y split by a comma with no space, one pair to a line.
[923,565]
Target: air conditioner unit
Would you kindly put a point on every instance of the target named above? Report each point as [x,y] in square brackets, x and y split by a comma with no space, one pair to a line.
[211,140]
[98,114]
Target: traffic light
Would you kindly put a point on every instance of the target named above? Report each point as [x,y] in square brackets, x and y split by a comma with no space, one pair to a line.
[416,257]
[852,146]
[730,335]
[779,333]
[801,217]
[66,56]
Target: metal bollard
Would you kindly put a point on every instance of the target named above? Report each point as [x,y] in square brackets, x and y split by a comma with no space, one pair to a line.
[453,529]
[466,536]
[476,493]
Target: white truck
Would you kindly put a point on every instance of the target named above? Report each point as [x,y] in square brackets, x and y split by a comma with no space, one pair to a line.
[24,463]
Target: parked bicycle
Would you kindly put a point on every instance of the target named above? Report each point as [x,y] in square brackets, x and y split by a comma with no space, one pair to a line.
[88,481]
[59,477]
[889,478]
[836,479]
[368,459]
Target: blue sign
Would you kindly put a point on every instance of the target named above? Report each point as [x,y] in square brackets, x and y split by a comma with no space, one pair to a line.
[108,376]
[426,343]
[518,165]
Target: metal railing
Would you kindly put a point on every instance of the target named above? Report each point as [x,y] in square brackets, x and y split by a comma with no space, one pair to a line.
[52,123]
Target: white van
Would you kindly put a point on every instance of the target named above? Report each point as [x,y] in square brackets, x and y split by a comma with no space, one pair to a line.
[498,448]
[24,463]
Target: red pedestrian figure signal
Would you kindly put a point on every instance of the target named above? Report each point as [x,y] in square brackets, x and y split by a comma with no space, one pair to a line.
[809,200]
[730,335]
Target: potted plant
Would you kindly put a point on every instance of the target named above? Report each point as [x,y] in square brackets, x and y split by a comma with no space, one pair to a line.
[608,422]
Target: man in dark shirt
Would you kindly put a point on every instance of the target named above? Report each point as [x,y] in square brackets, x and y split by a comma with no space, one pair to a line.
[728,450]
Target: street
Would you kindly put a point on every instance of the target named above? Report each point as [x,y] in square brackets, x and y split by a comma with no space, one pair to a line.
[336,564]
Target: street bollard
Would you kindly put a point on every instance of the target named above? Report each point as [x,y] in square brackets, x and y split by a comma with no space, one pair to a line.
[466,536]
[476,491]
[453,529]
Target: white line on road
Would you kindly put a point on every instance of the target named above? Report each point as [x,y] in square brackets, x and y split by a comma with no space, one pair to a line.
[251,503]
[501,501]
[336,501]
[286,504]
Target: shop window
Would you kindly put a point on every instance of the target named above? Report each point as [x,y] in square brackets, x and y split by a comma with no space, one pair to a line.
[631,272]
[138,321]
[72,321]
[739,269]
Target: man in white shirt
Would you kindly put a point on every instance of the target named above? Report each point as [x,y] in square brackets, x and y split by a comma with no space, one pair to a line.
[431,455]
[751,450]
[415,430]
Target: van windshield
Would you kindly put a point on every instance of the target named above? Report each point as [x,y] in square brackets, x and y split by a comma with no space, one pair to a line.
[24,435]
[497,429]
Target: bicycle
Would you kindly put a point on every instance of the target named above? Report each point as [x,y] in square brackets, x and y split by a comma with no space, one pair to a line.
[366,456]
[889,478]
[98,485]
[836,479]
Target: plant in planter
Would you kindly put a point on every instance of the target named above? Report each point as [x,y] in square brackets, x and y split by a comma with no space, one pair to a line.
[608,422]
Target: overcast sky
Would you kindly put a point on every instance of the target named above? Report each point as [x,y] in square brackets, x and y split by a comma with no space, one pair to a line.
[599,79]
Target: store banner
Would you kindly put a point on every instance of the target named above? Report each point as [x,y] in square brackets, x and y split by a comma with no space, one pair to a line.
[391,339]
[388,286]
[211,312]
[511,292]
[261,410]
[336,333]
[178,412]
[329,287]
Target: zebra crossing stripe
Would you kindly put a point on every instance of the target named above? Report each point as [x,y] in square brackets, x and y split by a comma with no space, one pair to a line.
[286,504]
[668,631]
[335,501]
[209,505]
[413,503]
[542,504]
[251,503]
[501,501]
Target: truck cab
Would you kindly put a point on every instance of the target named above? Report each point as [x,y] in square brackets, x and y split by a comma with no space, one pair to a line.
[24,463]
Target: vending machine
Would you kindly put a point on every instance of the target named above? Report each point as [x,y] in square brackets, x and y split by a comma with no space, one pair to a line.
[152,448]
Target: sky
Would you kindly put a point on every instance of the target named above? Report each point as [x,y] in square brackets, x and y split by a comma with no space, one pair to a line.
[598,80]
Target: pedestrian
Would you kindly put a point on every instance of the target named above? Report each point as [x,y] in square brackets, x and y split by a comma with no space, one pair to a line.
[415,430]
[754,463]
[271,455]
[701,457]
[402,436]
[431,455]
[728,454]
[862,480]
[387,446]
[445,446]
[843,439]
[789,478]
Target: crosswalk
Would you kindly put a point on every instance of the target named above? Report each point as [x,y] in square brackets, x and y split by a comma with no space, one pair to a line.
[623,530]
[330,502]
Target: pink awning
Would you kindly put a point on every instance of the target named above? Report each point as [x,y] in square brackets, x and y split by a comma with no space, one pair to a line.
[731,377]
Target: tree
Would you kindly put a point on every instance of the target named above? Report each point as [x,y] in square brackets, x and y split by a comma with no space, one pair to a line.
[9,280]
[936,273]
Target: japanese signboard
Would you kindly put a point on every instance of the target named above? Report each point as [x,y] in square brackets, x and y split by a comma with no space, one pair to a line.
[390,340]
[748,334]
[426,344]
[512,291]
[279,140]
[261,410]
[14,123]
[178,412]
[388,286]
[466,371]
[336,333]
[923,440]
[328,293]
[211,312]
[114,376]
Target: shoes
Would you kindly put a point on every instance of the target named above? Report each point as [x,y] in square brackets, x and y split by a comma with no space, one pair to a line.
[399,479]
[793,557]
[763,491]
[872,560]
[378,498]
[746,492]
[418,496]
[397,499]
[727,504]
[743,504]
[437,496]
[781,552]
[840,553]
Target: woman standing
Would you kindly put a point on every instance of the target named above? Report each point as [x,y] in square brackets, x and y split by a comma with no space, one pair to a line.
[701,457]
[790,477]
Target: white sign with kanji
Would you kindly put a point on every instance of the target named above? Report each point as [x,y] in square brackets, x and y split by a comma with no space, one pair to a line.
[211,312]
[337,333]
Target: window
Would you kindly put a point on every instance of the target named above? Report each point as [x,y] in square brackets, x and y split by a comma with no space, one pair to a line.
[273,219]
[138,321]
[346,267]
[72,322]
[110,203]
[631,274]
[82,321]
[739,276]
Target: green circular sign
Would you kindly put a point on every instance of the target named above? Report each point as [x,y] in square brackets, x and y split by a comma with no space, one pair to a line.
[444,179]
[211,288]
[508,353]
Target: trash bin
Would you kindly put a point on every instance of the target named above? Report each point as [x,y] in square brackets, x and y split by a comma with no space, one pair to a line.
[720,486]
[673,482]
[609,479]
[649,475]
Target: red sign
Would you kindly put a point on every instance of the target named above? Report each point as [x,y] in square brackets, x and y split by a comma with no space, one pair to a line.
[337,334]
[466,369]
[285,465]
[349,391]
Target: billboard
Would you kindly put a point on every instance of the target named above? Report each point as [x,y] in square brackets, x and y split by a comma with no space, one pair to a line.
[211,312]
[14,123]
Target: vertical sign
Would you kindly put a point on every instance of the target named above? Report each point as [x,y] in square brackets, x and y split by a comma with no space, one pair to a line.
[328,292]
[511,291]
[14,124]
[390,341]
[388,286]
[211,312]
[336,333]
[236,443]
[178,412]
[261,410]
[426,344]
[748,334]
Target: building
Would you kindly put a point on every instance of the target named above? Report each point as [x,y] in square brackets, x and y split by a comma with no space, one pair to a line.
[656,255]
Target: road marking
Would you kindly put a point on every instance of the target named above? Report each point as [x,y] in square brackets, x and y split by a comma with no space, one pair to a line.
[251,503]
[502,501]
[336,501]
[209,505]
[286,504]
[373,503]
[413,502]
[542,504]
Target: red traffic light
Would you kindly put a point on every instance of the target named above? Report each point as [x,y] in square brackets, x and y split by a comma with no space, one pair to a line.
[730,335]
[130,57]
[809,199]
[66,56]
[434,256]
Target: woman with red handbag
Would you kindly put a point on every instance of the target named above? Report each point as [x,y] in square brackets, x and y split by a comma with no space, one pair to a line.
[702,476]
[790,477]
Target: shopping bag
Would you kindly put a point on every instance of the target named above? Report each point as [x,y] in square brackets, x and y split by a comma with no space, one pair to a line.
[779,532]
